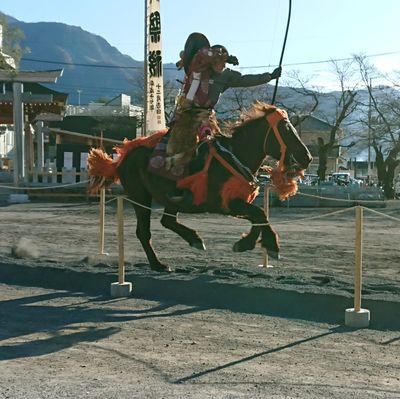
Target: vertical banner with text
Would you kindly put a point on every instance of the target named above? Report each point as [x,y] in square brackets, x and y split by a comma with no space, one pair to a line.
[155,118]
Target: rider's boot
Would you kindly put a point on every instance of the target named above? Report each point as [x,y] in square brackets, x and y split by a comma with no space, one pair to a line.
[181,197]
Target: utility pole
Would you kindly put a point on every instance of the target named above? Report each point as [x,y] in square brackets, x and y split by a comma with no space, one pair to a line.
[369,129]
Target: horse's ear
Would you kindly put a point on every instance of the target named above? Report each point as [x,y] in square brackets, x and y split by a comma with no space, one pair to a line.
[193,44]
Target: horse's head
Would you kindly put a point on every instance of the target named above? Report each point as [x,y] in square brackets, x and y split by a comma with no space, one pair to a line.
[284,144]
[266,130]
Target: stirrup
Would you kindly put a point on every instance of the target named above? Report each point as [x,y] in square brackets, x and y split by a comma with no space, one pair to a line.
[170,161]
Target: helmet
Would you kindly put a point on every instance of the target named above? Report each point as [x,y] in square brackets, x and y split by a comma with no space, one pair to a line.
[193,44]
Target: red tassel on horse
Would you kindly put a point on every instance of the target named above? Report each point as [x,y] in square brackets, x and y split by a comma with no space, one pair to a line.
[197,184]
[237,187]
[100,163]
[102,168]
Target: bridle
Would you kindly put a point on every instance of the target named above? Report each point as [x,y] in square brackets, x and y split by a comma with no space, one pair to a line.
[273,119]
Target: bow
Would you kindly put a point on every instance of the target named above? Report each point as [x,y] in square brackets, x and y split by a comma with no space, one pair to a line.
[283,50]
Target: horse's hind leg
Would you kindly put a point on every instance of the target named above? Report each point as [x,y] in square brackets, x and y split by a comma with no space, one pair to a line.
[248,241]
[170,221]
[269,239]
[143,216]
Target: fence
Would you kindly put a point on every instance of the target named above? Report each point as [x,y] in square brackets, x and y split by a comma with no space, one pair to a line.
[358,250]
[354,317]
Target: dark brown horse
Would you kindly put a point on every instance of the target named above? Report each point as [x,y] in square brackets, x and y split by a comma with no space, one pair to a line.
[265,131]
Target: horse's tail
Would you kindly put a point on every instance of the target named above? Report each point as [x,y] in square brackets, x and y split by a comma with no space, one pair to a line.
[102,170]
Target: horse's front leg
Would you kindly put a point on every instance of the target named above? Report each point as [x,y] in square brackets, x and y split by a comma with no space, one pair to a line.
[170,221]
[253,213]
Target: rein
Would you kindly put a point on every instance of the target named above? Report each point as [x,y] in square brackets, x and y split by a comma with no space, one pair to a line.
[273,119]
[214,154]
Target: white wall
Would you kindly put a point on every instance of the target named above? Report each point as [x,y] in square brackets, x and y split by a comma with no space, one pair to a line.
[6,140]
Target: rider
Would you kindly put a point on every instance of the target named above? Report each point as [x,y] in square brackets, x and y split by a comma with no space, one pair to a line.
[206,79]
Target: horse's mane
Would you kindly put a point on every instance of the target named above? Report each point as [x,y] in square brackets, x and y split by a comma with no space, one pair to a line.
[257,110]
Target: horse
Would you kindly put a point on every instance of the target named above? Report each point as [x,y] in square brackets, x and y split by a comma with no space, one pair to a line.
[217,188]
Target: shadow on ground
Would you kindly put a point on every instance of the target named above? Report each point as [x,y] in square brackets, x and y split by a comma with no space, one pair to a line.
[205,292]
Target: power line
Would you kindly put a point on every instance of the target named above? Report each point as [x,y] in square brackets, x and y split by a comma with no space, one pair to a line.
[81,64]
[343,59]
[93,88]
[243,67]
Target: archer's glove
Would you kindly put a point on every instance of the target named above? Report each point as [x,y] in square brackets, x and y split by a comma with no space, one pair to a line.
[231,59]
[276,73]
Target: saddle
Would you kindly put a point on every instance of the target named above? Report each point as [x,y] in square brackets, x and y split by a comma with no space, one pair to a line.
[158,160]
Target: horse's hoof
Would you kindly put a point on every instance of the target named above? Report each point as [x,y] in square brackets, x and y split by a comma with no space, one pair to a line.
[159,267]
[236,247]
[199,245]
[241,246]
[274,255]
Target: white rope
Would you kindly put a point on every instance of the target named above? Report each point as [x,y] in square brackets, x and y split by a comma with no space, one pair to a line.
[45,187]
[266,224]
[317,216]
[382,214]
[262,224]
[110,200]
[338,199]
[149,208]
[253,224]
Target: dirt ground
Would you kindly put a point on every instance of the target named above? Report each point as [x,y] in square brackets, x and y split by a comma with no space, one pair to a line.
[219,326]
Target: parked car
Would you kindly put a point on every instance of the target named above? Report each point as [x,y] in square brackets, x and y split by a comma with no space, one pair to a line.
[397,190]
[310,179]
[263,179]
[344,179]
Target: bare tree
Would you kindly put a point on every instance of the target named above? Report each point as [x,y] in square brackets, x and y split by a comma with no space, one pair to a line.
[342,101]
[383,123]
[235,101]
[11,43]
[171,90]
[345,105]
[301,109]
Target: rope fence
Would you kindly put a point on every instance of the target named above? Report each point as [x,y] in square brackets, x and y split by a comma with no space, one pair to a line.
[354,317]
[52,187]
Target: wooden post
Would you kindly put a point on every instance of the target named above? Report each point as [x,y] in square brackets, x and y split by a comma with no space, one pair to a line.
[102,219]
[266,211]
[121,260]
[357,317]
[121,288]
[39,127]
[358,259]
[19,144]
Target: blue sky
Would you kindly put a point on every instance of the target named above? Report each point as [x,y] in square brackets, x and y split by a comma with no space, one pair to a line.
[253,30]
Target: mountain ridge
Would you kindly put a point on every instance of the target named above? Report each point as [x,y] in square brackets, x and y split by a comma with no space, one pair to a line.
[93,68]
[91,65]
